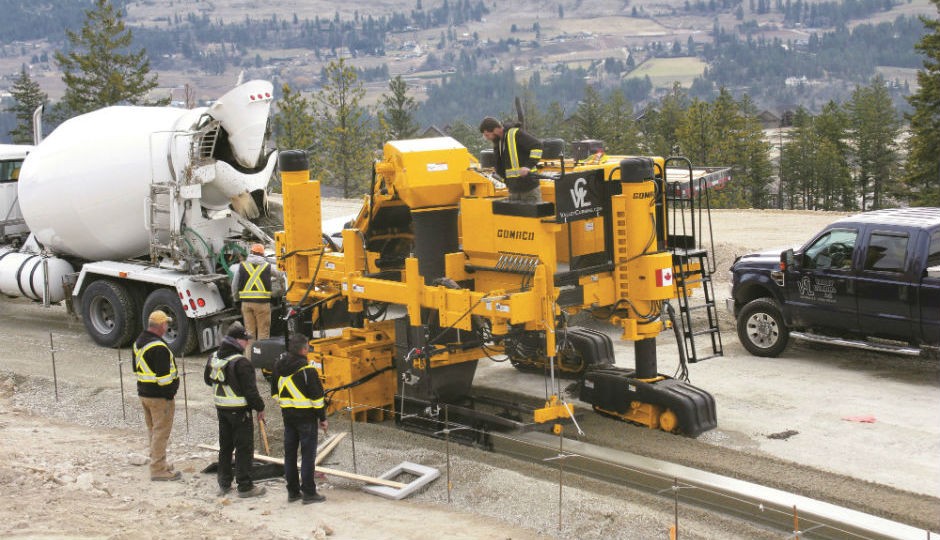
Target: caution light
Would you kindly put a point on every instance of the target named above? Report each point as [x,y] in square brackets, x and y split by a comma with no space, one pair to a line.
[201,302]
[192,304]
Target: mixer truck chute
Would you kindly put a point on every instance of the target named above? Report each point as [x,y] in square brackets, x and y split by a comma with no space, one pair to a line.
[142,208]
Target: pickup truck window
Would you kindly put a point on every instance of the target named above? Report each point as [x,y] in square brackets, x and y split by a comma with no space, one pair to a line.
[933,255]
[831,250]
[886,252]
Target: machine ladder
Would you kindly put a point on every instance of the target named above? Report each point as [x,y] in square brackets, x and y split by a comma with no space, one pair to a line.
[164,222]
[689,224]
[166,205]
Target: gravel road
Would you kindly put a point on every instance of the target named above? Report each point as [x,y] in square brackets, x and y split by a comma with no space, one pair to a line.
[784,422]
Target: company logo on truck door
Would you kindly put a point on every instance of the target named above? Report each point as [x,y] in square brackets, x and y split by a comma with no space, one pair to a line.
[515,234]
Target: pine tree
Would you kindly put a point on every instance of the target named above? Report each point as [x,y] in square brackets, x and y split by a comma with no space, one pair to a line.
[294,122]
[619,130]
[27,96]
[588,119]
[875,127]
[396,117]
[923,166]
[97,70]
[659,126]
[553,122]
[346,137]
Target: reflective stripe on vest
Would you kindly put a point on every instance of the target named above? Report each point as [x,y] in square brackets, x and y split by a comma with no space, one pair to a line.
[253,288]
[142,368]
[290,397]
[222,393]
[513,170]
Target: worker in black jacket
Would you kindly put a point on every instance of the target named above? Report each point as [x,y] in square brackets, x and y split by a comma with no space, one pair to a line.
[296,386]
[517,154]
[235,394]
[157,383]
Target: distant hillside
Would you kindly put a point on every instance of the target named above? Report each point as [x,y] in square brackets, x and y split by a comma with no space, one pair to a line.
[781,53]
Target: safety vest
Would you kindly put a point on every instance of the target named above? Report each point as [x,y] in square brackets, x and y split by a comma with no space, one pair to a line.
[513,170]
[143,371]
[290,397]
[253,288]
[223,395]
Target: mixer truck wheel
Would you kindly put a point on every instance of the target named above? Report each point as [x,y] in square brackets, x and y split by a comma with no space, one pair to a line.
[109,313]
[181,333]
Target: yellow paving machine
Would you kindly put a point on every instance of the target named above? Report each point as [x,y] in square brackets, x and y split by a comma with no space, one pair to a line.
[473,276]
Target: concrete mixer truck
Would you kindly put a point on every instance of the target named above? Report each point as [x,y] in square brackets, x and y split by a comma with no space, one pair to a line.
[129,209]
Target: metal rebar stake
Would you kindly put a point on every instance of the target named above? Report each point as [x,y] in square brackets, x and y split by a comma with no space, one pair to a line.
[185,393]
[352,430]
[55,378]
[675,488]
[561,471]
[447,446]
[121,379]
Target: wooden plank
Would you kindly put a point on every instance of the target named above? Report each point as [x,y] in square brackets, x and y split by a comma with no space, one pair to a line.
[328,447]
[331,472]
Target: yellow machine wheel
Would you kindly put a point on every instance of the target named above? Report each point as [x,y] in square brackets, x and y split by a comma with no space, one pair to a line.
[668,421]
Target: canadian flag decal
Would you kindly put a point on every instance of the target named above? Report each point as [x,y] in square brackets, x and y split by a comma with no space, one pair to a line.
[664,277]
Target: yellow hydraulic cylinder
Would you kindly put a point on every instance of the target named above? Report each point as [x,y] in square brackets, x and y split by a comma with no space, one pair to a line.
[302,237]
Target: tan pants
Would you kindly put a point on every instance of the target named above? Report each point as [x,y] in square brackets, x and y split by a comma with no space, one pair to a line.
[158,413]
[257,317]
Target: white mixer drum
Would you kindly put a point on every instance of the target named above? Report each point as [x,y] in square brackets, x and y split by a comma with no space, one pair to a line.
[83,189]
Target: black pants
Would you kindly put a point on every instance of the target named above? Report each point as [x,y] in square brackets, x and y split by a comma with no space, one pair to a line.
[304,435]
[236,433]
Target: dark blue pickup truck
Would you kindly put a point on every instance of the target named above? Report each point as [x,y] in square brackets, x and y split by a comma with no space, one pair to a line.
[870,280]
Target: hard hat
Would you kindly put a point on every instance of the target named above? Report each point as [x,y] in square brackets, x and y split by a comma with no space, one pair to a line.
[257,249]
[158,317]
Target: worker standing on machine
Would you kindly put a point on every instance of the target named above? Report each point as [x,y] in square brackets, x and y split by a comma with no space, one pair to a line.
[235,394]
[251,285]
[297,388]
[157,383]
[517,154]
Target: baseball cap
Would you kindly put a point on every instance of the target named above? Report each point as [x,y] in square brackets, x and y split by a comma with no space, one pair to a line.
[257,249]
[158,317]
[237,331]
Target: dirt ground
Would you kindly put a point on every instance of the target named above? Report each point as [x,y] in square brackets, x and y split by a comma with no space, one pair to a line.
[73,468]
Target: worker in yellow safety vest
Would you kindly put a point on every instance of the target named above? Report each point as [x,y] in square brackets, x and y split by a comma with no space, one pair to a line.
[157,383]
[252,284]
[235,394]
[517,153]
[297,388]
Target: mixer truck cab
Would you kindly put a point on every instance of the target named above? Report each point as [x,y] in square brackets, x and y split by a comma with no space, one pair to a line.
[12,226]
[132,209]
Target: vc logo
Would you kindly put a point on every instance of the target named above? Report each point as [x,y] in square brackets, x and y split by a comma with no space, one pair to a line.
[579,194]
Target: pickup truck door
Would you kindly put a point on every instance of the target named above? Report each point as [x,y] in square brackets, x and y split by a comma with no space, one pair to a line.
[820,289]
[930,294]
[886,286]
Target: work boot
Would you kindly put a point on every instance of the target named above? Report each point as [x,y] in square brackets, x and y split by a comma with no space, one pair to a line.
[255,491]
[313,498]
[294,496]
[167,477]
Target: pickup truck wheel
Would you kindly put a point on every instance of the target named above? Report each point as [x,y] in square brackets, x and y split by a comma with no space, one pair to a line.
[181,333]
[761,328]
[109,313]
